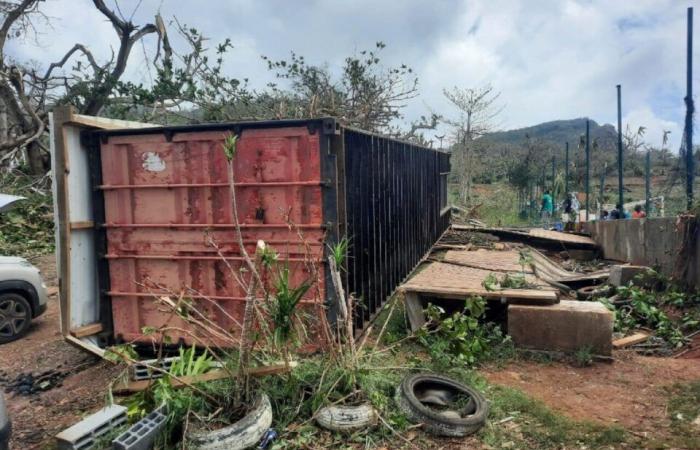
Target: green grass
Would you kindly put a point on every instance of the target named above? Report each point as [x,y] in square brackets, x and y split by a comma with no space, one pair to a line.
[683,410]
[534,425]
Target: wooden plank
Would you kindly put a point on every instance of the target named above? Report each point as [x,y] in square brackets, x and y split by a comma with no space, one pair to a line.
[633,339]
[414,310]
[62,115]
[87,330]
[131,387]
[532,296]
[536,236]
[82,225]
[107,124]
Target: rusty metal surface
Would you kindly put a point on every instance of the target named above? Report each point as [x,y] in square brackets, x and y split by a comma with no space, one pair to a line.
[166,199]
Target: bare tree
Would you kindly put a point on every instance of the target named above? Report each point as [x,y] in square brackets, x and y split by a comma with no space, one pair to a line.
[477,110]
[26,92]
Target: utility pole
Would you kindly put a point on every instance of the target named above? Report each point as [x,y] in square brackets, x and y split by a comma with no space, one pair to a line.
[689,110]
[620,194]
[588,167]
[647,184]
[566,171]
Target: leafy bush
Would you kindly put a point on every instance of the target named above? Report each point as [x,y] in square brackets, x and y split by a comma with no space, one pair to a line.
[459,338]
[27,229]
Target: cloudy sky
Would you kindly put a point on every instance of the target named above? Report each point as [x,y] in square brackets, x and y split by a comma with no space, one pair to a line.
[551,59]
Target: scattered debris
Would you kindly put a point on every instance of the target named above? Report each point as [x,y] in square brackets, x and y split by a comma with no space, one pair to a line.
[29,384]
[538,237]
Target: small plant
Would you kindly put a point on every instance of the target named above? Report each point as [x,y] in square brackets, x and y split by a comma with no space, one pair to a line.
[525,259]
[284,305]
[509,281]
[583,357]
[339,252]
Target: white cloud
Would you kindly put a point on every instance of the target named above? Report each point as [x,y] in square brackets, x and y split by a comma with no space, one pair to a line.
[655,126]
[551,59]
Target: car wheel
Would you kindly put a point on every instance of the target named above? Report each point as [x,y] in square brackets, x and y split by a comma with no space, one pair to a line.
[15,316]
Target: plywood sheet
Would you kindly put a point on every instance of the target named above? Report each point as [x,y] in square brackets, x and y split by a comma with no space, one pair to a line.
[447,280]
[498,261]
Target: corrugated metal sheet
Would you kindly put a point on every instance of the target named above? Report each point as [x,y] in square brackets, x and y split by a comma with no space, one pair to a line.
[168,206]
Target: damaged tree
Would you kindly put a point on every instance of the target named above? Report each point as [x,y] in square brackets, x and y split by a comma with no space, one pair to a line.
[26,94]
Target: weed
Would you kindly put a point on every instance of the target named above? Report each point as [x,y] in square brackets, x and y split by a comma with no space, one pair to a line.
[339,252]
[509,281]
[583,357]
[283,309]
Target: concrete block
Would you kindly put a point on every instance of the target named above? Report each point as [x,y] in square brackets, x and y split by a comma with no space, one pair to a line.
[84,434]
[142,434]
[566,326]
[621,275]
[582,255]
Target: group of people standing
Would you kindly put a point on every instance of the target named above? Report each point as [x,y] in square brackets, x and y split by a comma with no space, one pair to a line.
[571,207]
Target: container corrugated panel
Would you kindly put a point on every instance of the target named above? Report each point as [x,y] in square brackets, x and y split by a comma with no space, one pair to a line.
[162,200]
[396,209]
[169,224]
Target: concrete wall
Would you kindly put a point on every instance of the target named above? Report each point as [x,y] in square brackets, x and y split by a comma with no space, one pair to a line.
[653,242]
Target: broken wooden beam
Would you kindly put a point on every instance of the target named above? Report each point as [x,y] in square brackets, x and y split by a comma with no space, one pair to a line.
[636,338]
[130,387]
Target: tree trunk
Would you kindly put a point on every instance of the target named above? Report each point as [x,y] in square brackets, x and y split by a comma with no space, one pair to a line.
[35,159]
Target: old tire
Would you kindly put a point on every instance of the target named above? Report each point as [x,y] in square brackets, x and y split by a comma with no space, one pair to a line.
[245,433]
[346,418]
[15,317]
[588,292]
[472,416]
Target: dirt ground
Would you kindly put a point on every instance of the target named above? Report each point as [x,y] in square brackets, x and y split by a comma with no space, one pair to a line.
[38,417]
[629,392]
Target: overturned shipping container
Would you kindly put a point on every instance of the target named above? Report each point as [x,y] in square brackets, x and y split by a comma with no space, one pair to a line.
[144,211]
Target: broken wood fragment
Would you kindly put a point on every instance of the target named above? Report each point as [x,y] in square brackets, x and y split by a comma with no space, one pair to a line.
[130,387]
[633,339]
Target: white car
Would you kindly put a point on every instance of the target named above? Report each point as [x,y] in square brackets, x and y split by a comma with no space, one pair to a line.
[22,290]
[22,297]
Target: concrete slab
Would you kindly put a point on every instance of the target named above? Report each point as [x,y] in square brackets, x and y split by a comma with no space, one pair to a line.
[621,275]
[566,326]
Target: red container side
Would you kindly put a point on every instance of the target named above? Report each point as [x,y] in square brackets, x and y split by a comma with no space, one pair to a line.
[168,207]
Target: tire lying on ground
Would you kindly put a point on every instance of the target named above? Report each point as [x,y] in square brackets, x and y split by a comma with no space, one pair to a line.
[346,418]
[588,292]
[417,393]
[246,433]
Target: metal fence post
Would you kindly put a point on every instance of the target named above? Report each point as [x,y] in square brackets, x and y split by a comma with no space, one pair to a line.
[690,109]
[588,167]
[620,195]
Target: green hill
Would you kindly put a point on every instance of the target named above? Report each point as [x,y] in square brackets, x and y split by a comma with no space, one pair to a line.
[555,133]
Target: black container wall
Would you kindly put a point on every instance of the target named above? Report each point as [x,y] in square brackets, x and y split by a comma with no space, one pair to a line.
[396,209]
